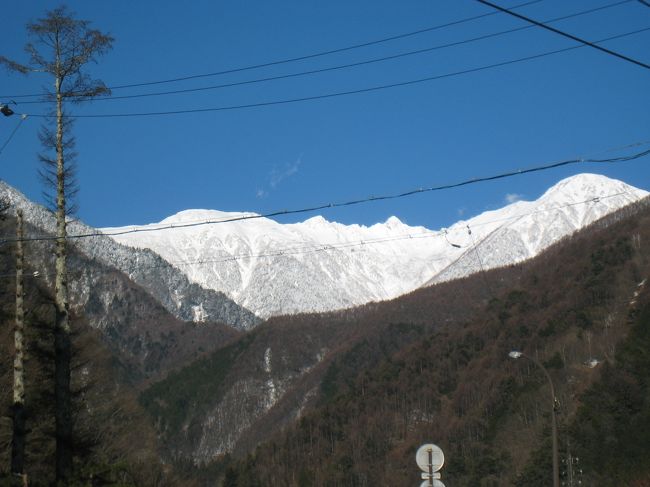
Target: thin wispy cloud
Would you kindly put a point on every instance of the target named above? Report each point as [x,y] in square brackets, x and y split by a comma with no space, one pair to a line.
[513,198]
[279,174]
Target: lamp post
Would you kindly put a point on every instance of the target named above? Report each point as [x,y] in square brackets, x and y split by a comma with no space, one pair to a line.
[556,464]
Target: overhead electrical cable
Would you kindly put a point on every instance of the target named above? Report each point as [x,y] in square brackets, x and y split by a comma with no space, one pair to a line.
[337,67]
[299,58]
[567,35]
[310,209]
[324,247]
[13,132]
[480,262]
[344,93]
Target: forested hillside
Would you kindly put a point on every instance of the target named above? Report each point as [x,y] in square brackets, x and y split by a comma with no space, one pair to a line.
[581,309]
[114,440]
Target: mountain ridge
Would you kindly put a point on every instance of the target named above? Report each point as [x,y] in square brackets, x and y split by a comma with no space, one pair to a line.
[184,299]
[317,265]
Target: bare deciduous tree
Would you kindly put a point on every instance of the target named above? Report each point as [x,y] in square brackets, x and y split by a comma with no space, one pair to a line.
[19,432]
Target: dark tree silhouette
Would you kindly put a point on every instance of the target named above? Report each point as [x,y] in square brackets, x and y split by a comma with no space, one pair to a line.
[61,47]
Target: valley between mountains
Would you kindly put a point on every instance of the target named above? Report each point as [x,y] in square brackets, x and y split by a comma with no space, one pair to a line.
[316,354]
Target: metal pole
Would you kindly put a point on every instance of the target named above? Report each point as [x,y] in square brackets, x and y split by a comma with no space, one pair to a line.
[430,467]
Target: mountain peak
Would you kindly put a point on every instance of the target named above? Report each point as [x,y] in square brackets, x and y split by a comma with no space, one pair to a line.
[198,215]
[393,222]
[586,186]
[316,220]
[317,265]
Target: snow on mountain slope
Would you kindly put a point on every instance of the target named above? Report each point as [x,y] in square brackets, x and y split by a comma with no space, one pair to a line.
[317,265]
[524,229]
[183,298]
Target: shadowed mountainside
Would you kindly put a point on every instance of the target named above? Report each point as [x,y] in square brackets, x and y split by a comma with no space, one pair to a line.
[356,392]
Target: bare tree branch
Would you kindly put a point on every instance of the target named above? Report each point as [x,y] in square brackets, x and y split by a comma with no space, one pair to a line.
[14,66]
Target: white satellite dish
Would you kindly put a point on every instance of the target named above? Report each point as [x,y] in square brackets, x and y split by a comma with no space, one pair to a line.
[436,483]
[429,455]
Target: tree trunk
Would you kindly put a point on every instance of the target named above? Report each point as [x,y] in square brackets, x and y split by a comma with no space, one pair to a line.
[62,345]
[18,437]
[68,45]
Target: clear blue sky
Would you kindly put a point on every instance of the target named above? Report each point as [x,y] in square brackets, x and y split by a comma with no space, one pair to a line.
[140,170]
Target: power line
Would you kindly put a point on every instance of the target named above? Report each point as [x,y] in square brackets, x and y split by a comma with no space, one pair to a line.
[324,247]
[340,245]
[480,263]
[310,209]
[300,58]
[297,74]
[565,34]
[302,250]
[345,93]
[338,67]
[11,135]
[468,266]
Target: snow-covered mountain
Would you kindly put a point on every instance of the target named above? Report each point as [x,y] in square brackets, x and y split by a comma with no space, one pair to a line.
[275,269]
[183,298]
[317,265]
[524,229]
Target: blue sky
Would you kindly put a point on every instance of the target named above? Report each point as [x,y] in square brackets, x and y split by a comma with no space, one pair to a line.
[142,169]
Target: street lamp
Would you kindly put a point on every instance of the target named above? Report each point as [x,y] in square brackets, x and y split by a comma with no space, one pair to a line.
[5,110]
[554,402]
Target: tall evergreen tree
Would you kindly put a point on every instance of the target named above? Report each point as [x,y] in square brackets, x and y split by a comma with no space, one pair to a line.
[61,47]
